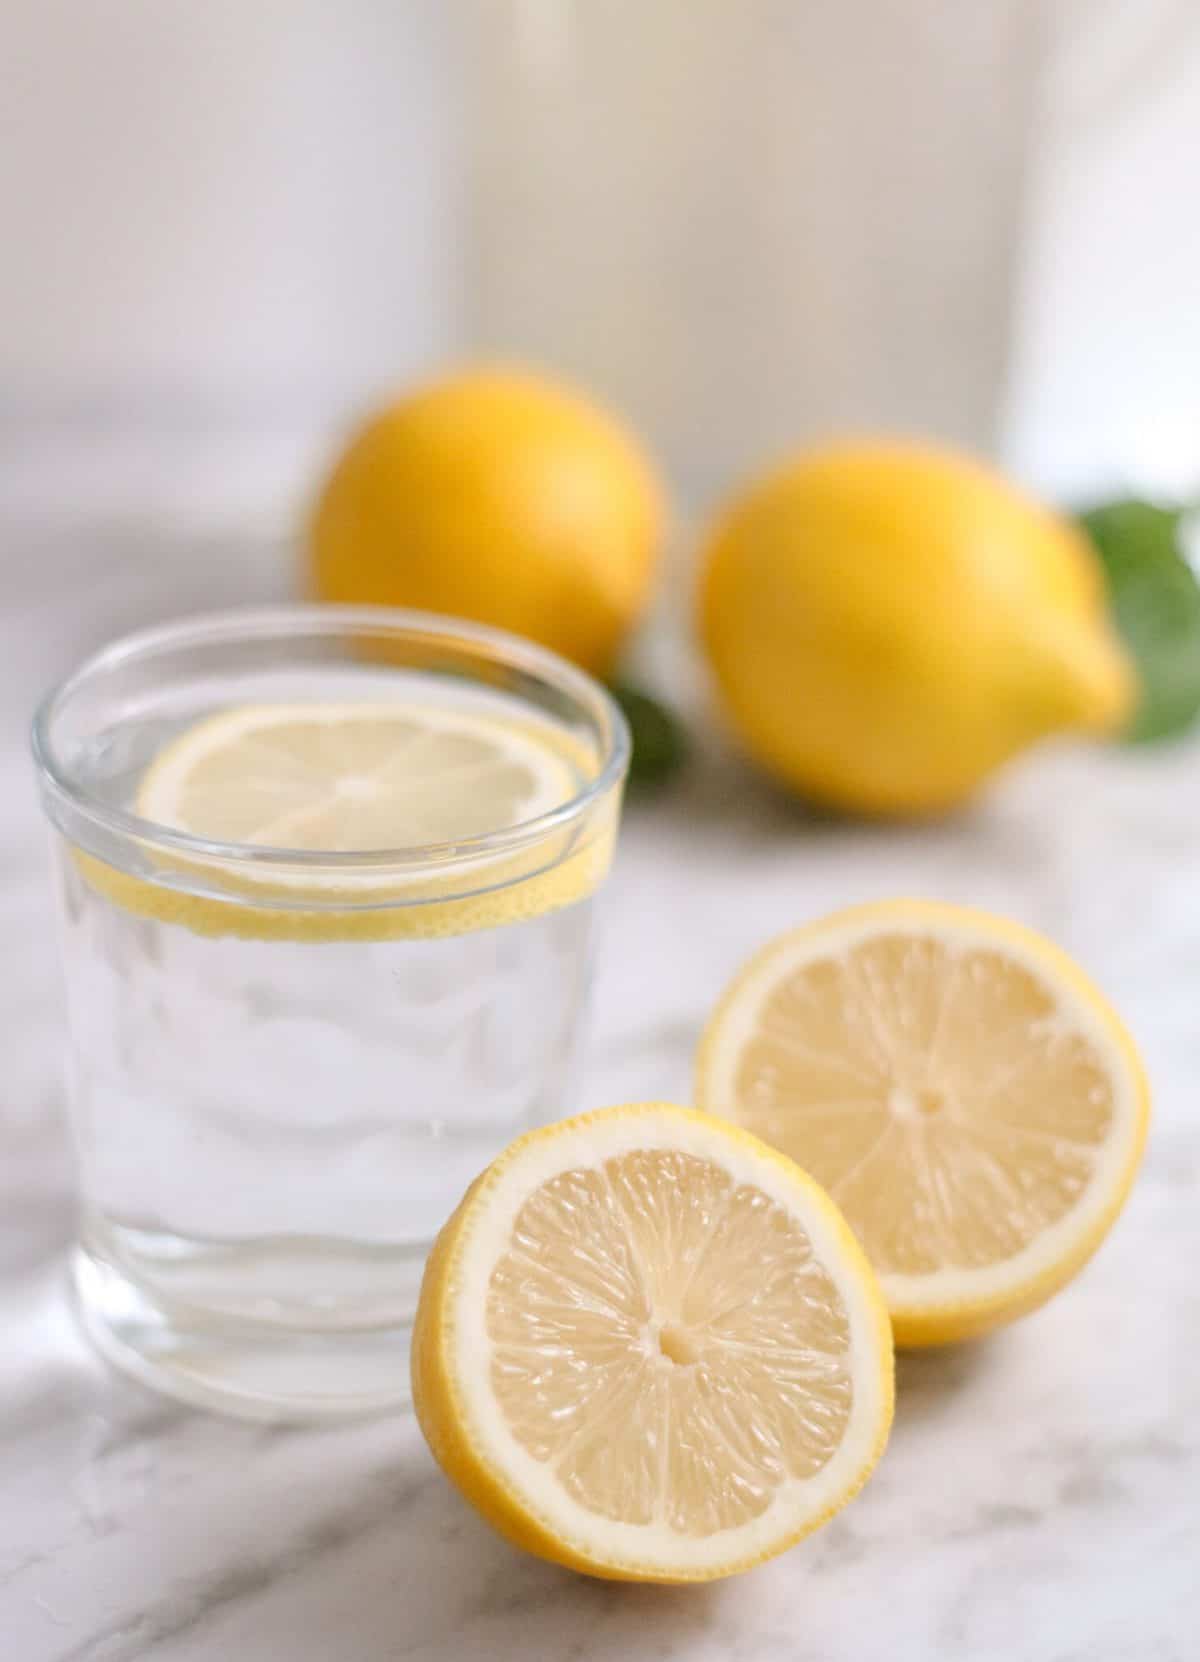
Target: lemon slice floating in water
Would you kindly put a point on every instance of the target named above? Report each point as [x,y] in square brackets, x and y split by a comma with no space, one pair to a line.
[352,777]
[336,779]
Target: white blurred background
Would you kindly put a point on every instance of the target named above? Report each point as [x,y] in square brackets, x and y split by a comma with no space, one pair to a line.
[228,224]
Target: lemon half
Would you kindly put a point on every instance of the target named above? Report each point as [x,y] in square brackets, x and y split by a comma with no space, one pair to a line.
[647,1347]
[969,1099]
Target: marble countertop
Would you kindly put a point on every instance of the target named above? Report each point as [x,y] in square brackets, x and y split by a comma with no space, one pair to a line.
[1040,1498]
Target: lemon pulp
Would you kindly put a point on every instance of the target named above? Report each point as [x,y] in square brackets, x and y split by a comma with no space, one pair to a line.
[344,777]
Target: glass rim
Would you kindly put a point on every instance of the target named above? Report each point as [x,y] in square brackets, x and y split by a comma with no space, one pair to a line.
[280,623]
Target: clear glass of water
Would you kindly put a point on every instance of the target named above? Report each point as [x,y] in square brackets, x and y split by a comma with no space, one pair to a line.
[286,1065]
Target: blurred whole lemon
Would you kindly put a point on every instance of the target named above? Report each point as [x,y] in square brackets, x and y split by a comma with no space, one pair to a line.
[496,496]
[888,623]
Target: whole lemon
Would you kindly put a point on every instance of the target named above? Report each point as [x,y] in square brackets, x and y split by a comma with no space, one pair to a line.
[494,495]
[889,623]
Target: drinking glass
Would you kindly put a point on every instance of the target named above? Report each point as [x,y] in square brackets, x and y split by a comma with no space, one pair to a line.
[286,1066]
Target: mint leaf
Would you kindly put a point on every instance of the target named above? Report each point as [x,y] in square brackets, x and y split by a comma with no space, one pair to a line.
[660,745]
[1155,599]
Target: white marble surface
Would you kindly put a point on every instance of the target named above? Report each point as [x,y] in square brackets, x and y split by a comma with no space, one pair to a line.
[1040,1498]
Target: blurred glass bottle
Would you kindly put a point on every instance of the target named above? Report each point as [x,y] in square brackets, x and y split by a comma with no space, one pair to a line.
[748,224]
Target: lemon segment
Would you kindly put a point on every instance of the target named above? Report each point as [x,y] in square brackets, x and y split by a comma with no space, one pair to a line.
[361,778]
[970,1100]
[647,1347]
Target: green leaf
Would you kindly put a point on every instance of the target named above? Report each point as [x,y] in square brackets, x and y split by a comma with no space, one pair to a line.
[1156,603]
[660,745]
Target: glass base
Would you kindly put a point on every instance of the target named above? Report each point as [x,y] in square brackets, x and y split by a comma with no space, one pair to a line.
[251,1370]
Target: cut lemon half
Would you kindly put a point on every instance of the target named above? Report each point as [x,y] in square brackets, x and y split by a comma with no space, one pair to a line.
[361,778]
[647,1347]
[967,1096]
